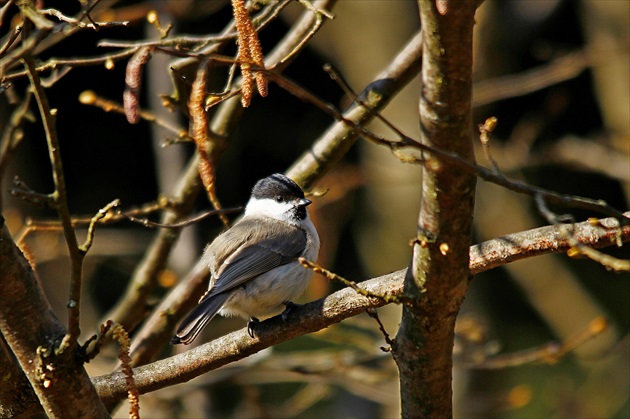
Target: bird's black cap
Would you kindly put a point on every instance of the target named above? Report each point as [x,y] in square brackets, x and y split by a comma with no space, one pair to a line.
[277,186]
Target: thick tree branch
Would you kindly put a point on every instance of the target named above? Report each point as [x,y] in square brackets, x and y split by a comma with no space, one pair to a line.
[34,334]
[16,394]
[237,345]
[338,139]
[344,304]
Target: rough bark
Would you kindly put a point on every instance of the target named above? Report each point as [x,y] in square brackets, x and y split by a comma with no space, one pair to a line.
[438,276]
[33,333]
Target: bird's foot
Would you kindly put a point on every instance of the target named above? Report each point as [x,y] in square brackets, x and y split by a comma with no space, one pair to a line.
[251,324]
[289,307]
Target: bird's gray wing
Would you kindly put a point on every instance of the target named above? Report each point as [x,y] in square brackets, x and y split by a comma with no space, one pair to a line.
[275,249]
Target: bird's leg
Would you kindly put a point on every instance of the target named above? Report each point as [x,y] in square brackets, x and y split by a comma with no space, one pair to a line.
[289,307]
[251,324]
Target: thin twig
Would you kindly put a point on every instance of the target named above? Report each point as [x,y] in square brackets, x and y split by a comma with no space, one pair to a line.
[610,262]
[374,314]
[60,199]
[75,22]
[563,68]
[85,13]
[31,226]
[21,190]
[316,26]
[89,97]
[181,41]
[549,353]
[102,213]
[53,63]
[3,10]
[185,223]
[31,12]
[196,42]
[154,19]
[362,291]
[27,46]
[485,130]
[13,36]
[56,75]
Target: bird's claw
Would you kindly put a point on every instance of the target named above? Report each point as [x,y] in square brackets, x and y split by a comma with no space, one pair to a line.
[251,324]
[289,307]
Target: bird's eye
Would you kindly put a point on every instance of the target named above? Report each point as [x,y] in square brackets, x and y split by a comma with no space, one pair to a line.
[278,199]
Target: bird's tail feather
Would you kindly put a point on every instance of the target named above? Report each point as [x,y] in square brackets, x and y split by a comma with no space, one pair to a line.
[197,319]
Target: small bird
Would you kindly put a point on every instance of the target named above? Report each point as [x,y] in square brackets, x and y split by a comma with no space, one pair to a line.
[254,268]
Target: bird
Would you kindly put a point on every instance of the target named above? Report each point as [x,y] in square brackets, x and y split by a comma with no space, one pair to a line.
[254,266]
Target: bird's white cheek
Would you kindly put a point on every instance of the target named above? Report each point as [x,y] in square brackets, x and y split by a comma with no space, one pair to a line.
[268,207]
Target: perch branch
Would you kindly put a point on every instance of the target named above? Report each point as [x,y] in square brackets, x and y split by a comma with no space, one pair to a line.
[339,306]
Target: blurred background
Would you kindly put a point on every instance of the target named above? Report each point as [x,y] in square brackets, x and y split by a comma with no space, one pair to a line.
[556,75]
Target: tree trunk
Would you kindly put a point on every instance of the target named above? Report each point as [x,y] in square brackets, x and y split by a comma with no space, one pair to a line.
[438,276]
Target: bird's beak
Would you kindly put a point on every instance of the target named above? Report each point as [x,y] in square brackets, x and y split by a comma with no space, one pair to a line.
[304,202]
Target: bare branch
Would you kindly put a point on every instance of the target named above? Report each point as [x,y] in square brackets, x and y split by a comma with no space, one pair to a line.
[237,345]
[76,22]
[339,137]
[13,36]
[566,233]
[60,200]
[322,313]
[145,222]
[561,69]
[89,97]
[11,136]
[54,63]
[549,353]
[102,213]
